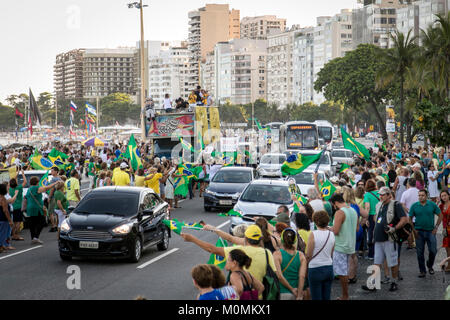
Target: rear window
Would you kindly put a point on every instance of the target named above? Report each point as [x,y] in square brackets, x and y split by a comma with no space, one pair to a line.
[232,177]
[28,176]
[120,204]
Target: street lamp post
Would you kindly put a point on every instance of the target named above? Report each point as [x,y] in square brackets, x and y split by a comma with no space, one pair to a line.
[139,6]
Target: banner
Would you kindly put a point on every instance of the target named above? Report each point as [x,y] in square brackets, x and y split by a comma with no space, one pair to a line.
[201,116]
[215,124]
[165,126]
[229,144]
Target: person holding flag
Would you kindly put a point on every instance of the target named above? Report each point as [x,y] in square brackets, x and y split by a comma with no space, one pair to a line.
[35,206]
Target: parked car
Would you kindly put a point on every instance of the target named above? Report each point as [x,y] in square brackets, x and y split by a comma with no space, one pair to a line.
[115,222]
[305,180]
[270,165]
[261,198]
[226,187]
[343,156]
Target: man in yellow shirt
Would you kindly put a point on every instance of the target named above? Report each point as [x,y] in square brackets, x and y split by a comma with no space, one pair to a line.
[121,178]
[73,189]
[153,183]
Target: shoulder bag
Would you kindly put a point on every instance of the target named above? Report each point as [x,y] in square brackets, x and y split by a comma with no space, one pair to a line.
[43,208]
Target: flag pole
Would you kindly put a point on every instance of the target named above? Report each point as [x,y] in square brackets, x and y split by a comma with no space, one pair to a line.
[56,112]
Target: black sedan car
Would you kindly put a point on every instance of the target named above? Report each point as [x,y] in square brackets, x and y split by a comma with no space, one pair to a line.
[226,186]
[115,222]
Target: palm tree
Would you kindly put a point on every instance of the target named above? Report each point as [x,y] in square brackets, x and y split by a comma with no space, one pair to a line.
[399,59]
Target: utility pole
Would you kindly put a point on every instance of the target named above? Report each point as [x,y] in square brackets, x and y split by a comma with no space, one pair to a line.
[56,111]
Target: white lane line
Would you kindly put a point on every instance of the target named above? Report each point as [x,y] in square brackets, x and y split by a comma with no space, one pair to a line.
[142,266]
[223,225]
[16,253]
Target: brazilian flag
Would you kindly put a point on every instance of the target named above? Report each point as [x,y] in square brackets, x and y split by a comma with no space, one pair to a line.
[38,162]
[231,213]
[353,145]
[44,181]
[302,200]
[327,189]
[186,145]
[181,186]
[217,260]
[296,164]
[344,168]
[174,225]
[133,154]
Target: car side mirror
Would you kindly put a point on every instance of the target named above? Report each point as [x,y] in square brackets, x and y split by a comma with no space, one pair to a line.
[335,163]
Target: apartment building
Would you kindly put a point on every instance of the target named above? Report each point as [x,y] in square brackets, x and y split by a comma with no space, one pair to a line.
[280,66]
[168,71]
[373,23]
[258,28]
[208,74]
[419,15]
[207,26]
[95,73]
[304,66]
[240,71]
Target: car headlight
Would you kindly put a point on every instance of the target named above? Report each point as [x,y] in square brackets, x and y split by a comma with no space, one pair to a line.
[123,229]
[210,192]
[236,196]
[65,226]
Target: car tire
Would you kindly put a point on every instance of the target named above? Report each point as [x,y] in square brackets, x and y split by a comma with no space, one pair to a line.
[208,209]
[136,250]
[65,258]
[164,244]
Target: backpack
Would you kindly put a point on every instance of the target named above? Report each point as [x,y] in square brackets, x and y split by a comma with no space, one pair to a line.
[271,283]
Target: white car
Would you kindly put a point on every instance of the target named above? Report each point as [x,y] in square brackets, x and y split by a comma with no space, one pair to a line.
[305,180]
[270,165]
[343,156]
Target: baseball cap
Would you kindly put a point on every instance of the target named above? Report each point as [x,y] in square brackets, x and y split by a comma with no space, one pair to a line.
[384,190]
[123,165]
[283,217]
[253,232]
[417,165]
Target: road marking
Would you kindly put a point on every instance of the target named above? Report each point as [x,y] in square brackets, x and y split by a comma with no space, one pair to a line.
[142,266]
[16,253]
[223,225]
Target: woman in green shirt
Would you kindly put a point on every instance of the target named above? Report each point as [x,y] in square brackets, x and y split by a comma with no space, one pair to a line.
[17,205]
[36,209]
[371,198]
[291,267]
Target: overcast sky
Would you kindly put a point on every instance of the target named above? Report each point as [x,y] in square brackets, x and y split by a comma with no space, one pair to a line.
[33,32]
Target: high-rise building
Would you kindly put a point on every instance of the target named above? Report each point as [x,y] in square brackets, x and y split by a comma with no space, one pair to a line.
[168,71]
[419,15]
[207,26]
[240,71]
[304,66]
[68,75]
[208,74]
[374,22]
[259,27]
[280,66]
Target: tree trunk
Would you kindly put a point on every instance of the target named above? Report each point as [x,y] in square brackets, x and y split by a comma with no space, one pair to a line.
[402,102]
[409,136]
[380,121]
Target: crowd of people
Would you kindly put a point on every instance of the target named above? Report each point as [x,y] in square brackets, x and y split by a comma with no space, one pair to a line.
[375,204]
[396,198]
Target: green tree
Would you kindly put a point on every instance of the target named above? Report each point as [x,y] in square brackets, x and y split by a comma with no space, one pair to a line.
[351,80]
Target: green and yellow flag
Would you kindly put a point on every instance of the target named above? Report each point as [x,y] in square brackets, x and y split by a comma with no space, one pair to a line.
[133,154]
[344,167]
[327,189]
[353,145]
[38,162]
[231,213]
[302,200]
[296,164]
[217,260]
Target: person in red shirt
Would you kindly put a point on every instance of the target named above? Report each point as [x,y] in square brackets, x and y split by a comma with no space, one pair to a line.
[445,209]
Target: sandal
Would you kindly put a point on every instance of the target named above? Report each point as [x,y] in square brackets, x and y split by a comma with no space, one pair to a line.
[352,281]
[18,239]
[10,248]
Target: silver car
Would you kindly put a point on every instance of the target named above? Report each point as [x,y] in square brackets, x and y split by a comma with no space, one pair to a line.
[261,198]
[270,165]
[305,180]
[343,156]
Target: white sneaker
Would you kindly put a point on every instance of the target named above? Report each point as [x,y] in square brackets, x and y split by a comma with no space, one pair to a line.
[39,241]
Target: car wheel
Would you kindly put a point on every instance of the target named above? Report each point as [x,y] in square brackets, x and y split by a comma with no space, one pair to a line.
[136,250]
[164,244]
[208,209]
[65,258]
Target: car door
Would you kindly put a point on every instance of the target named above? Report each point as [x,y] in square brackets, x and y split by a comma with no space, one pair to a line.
[151,222]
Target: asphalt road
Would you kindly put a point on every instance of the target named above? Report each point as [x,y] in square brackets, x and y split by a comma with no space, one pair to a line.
[37,273]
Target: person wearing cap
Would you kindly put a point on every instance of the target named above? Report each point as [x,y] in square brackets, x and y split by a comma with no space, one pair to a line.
[251,247]
[121,178]
[390,217]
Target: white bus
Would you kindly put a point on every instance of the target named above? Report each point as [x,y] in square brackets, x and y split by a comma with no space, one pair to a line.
[299,135]
[275,130]
[326,130]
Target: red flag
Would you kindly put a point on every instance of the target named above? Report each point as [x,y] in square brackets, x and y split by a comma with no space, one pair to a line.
[30,125]
[18,114]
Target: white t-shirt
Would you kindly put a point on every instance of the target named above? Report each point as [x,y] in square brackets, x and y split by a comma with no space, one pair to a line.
[433,185]
[409,197]
[324,258]
[214,170]
[167,104]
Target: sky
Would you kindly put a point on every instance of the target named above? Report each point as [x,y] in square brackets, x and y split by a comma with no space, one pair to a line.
[33,32]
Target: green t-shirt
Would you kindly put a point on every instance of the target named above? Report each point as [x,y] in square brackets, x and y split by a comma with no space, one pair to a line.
[61,197]
[91,166]
[424,215]
[372,198]
[34,207]
[17,205]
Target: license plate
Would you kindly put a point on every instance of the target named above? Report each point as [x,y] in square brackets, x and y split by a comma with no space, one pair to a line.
[88,245]
[225,202]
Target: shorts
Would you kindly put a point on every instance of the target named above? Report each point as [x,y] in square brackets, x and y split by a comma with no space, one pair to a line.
[386,251]
[17,215]
[340,263]
[61,217]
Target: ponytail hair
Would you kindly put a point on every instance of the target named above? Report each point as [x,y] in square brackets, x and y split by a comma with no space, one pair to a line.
[241,258]
[289,239]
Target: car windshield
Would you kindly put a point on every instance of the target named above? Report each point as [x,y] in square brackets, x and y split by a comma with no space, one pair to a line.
[125,204]
[267,193]
[306,178]
[232,177]
[326,133]
[28,176]
[301,139]
[273,159]
[339,154]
